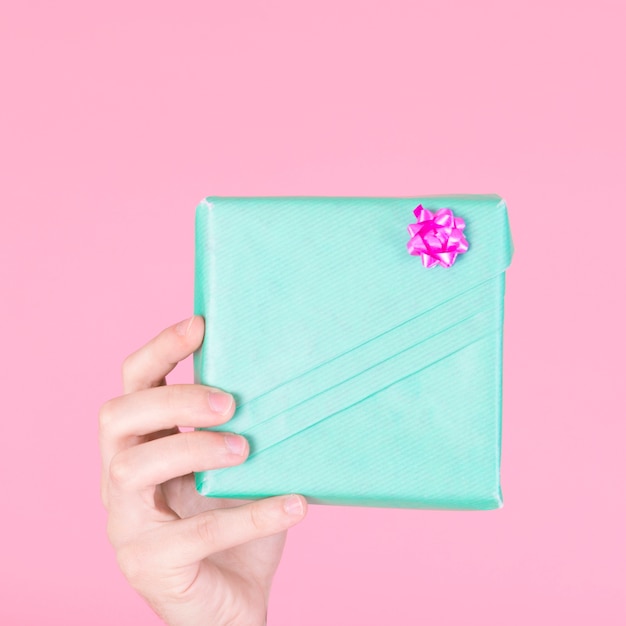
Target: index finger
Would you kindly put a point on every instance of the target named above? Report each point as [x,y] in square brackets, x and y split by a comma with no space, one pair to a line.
[148,366]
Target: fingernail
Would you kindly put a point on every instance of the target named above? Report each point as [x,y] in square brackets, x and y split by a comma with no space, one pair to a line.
[293,505]
[235,444]
[182,328]
[220,402]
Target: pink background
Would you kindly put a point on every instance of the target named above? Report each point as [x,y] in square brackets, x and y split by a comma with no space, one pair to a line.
[118,117]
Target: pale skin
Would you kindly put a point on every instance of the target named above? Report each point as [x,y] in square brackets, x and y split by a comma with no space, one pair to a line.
[197,561]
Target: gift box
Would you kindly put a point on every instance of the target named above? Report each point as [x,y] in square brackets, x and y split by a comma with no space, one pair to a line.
[362,341]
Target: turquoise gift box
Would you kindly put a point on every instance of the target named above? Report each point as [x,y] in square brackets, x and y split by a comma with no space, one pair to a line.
[361,376]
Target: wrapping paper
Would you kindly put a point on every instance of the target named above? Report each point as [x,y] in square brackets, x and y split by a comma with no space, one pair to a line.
[361,377]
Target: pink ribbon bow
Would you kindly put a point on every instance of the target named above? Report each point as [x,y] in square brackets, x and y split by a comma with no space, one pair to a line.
[437,238]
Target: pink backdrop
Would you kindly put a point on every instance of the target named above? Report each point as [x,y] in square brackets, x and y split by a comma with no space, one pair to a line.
[118,117]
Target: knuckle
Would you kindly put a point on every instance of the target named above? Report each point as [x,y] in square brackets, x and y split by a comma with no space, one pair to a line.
[113,531]
[120,470]
[188,445]
[110,530]
[207,528]
[196,445]
[258,517]
[104,493]
[128,366]
[184,399]
[105,416]
[130,562]
[174,396]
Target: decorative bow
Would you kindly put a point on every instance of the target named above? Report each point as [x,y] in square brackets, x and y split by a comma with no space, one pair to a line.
[437,238]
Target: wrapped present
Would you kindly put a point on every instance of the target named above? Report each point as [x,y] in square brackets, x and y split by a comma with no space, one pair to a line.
[362,340]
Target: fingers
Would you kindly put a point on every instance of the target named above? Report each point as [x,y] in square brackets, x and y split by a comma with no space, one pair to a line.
[126,419]
[160,460]
[187,541]
[151,410]
[148,366]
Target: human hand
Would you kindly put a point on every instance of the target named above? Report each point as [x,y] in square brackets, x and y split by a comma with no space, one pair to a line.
[197,561]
